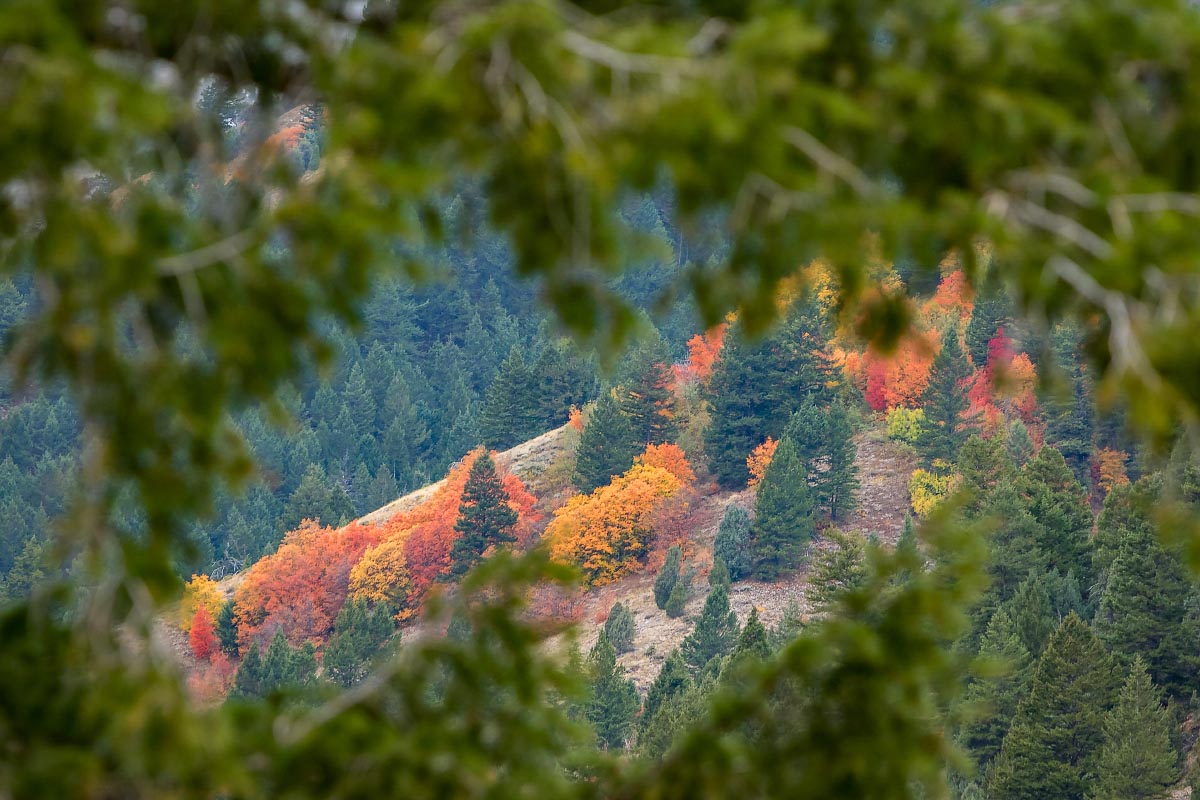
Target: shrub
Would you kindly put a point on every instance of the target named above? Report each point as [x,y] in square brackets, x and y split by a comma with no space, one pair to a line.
[905,424]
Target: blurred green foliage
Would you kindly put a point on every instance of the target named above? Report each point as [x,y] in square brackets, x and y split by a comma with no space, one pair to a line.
[182,273]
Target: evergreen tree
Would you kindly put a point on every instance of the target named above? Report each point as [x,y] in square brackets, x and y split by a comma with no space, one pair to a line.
[783,524]
[619,628]
[1143,610]
[227,633]
[755,388]
[358,634]
[715,633]
[1019,443]
[607,447]
[836,569]
[994,700]
[790,625]
[485,517]
[1055,739]
[1032,613]
[1068,411]
[945,401]
[822,437]
[672,680]
[753,641]
[991,313]
[719,574]
[510,413]
[247,683]
[1060,506]
[732,544]
[668,576]
[1137,758]
[645,394]
[614,702]
[318,498]
[677,600]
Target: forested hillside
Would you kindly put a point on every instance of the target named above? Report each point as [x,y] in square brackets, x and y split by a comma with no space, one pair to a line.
[578,399]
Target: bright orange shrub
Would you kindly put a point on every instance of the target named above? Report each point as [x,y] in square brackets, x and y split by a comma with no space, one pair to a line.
[759,459]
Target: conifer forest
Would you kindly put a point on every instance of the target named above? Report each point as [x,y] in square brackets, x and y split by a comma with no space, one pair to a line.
[527,398]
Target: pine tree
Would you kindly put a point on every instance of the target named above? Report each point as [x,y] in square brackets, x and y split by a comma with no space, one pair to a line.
[358,635]
[992,312]
[753,641]
[1137,759]
[485,518]
[719,574]
[715,633]
[994,700]
[822,437]
[756,386]
[1055,739]
[668,576]
[1032,613]
[1060,506]
[945,401]
[783,524]
[247,683]
[318,498]
[1019,443]
[1068,412]
[677,601]
[607,447]
[227,632]
[732,543]
[614,702]
[510,413]
[619,628]
[836,569]
[645,394]
[672,680]
[1143,609]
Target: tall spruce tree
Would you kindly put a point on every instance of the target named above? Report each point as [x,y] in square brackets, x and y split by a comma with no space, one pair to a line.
[992,312]
[614,701]
[1068,411]
[1144,610]
[1055,739]
[645,394]
[756,386]
[783,524]
[1060,506]
[944,402]
[1137,760]
[485,517]
[823,439]
[994,700]
[732,543]
[510,413]
[607,447]
[715,633]
[672,679]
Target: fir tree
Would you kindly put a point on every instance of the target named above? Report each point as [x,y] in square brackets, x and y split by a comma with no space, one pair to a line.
[719,574]
[677,601]
[783,524]
[1020,445]
[753,641]
[359,633]
[1032,613]
[715,633]
[945,401]
[485,518]
[991,313]
[732,544]
[227,633]
[1143,610]
[757,386]
[247,683]
[836,569]
[672,680]
[1055,739]
[645,394]
[619,628]
[606,448]
[318,498]
[614,702]
[668,576]
[1068,411]
[994,700]
[510,413]
[1060,506]
[822,437]
[1137,758]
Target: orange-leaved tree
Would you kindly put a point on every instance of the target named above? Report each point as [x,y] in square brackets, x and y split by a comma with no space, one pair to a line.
[671,458]
[202,637]
[607,533]
[300,588]
[381,576]
[759,459]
